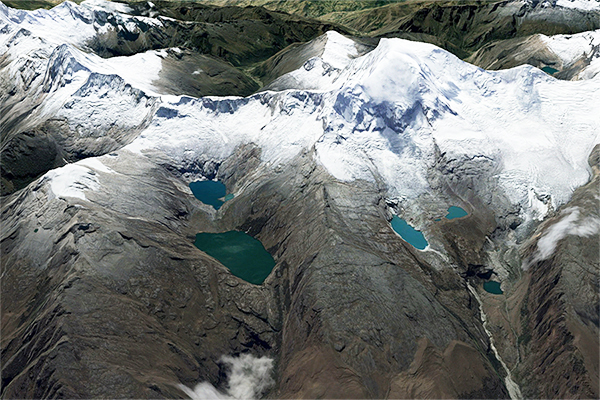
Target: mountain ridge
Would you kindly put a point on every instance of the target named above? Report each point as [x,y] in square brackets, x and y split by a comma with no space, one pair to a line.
[98,256]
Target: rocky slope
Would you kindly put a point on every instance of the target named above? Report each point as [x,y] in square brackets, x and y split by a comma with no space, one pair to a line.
[567,56]
[463,27]
[548,323]
[210,61]
[490,34]
[104,294]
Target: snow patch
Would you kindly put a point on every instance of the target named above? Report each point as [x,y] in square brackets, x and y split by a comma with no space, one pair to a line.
[96,164]
[593,69]
[72,23]
[386,112]
[378,117]
[140,70]
[539,208]
[587,5]
[339,50]
[282,124]
[570,48]
[320,72]
[71,181]
[107,6]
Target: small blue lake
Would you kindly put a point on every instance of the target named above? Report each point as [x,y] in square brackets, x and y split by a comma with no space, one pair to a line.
[408,233]
[455,212]
[492,287]
[210,192]
[244,255]
[549,70]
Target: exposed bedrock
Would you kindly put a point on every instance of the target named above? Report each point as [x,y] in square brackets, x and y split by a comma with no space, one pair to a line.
[535,50]
[105,295]
[236,35]
[107,298]
[466,26]
[350,310]
[559,311]
[546,323]
[103,115]
[343,280]
[510,53]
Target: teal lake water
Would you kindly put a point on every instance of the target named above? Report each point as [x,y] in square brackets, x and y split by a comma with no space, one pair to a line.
[492,287]
[408,233]
[244,255]
[210,192]
[456,212]
[549,70]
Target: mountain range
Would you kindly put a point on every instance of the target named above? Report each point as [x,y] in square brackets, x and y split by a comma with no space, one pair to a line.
[325,120]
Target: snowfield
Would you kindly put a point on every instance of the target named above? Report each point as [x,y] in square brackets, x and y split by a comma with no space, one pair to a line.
[572,48]
[579,4]
[381,116]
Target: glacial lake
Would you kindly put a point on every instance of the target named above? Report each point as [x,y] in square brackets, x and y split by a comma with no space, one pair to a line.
[210,192]
[492,287]
[456,212]
[408,233]
[549,70]
[244,255]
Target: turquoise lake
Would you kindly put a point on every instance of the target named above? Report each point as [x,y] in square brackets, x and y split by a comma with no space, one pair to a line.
[210,192]
[456,212]
[408,233]
[549,70]
[492,287]
[244,255]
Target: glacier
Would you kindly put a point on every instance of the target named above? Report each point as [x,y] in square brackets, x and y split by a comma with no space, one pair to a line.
[383,116]
[101,241]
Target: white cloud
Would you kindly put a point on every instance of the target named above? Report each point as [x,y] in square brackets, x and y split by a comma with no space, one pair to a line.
[204,391]
[248,379]
[570,224]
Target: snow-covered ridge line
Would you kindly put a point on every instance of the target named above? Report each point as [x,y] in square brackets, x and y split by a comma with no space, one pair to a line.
[39,42]
[75,24]
[572,47]
[380,116]
[583,5]
[385,112]
[38,71]
[587,5]
[576,48]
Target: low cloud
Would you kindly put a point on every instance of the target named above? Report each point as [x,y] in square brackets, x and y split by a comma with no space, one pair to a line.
[570,224]
[249,377]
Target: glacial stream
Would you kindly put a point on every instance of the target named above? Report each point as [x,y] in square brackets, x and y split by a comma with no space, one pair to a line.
[513,389]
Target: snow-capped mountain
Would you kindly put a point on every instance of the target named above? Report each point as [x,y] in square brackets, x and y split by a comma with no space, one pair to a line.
[586,5]
[581,48]
[319,160]
[383,116]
